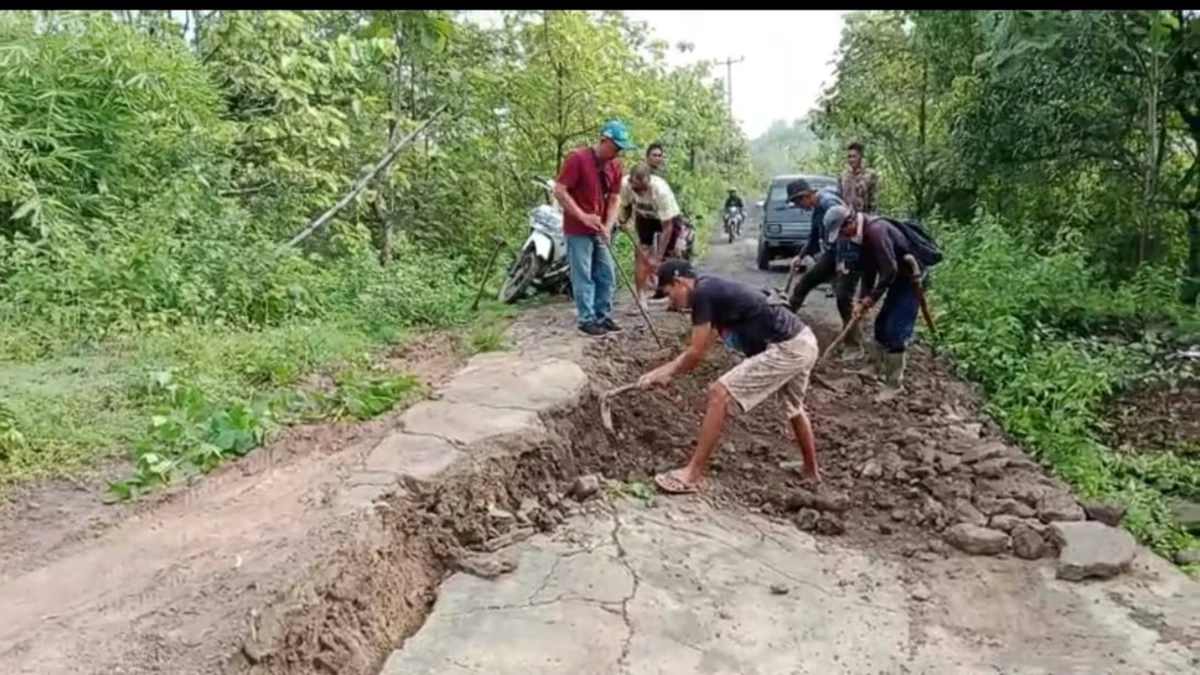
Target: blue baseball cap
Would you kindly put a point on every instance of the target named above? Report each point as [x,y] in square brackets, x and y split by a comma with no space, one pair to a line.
[618,133]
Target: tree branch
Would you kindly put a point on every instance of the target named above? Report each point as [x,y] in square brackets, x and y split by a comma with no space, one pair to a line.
[362,183]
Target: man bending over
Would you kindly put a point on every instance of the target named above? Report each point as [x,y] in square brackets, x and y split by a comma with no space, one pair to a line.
[648,200]
[781,352]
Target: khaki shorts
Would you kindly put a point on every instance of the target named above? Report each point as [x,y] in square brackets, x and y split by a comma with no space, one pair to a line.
[783,367]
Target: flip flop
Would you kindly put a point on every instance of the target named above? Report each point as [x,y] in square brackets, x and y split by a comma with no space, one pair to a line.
[670,483]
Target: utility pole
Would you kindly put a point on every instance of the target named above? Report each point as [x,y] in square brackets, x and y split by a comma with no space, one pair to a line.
[729,64]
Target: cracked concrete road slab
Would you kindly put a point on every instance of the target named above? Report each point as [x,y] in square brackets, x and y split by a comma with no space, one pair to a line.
[683,589]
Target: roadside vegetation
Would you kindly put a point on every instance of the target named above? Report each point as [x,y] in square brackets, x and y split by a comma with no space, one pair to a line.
[166,285]
[1055,154]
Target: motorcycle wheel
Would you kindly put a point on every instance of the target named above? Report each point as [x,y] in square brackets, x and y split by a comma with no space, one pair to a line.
[729,231]
[520,275]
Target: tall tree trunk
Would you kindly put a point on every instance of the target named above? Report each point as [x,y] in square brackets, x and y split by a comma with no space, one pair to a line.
[388,213]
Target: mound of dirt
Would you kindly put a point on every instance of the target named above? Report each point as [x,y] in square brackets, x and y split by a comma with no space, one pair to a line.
[898,474]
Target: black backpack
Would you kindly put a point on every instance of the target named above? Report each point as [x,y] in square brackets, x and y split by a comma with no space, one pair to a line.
[924,248]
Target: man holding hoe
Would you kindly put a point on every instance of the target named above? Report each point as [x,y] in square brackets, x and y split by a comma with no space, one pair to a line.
[780,354]
[894,256]
[828,253]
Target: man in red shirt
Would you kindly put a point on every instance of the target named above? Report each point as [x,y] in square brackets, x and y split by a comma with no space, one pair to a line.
[589,188]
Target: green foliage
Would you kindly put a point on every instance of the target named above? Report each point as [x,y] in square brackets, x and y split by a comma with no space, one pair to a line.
[192,431]
[150,171]
[1053,121]
[1011,319]
[488,338]
[192,434]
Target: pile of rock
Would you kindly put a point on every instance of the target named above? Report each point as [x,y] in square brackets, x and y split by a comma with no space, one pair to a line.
[989,498]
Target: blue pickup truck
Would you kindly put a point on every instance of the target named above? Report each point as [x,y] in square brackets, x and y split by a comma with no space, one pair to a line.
[784,229]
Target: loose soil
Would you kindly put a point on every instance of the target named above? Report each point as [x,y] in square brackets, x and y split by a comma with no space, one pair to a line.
[895,474]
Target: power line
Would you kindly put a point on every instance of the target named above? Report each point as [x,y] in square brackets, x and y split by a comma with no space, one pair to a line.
[729,64]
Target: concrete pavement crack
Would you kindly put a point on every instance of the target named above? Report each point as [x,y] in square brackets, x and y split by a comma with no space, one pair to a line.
[458,445]
[546,579]
[554,567]
[771,566]
[623,557]
[466,400]
[562,597]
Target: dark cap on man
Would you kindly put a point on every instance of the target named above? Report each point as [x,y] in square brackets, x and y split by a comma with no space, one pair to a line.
[797,188]
[674,269]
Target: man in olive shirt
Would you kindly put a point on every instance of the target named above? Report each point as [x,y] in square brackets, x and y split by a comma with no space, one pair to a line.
[780,354]
[859,185]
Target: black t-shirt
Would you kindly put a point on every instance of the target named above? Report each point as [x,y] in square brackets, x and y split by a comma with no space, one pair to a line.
[741,315]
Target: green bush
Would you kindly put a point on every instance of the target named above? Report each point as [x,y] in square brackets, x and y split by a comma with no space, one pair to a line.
[1021,323]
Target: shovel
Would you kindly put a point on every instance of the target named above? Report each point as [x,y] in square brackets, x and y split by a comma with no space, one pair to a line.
[606,403]
[850,326]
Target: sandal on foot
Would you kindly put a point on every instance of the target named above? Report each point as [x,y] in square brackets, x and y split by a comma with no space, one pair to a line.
[672,484]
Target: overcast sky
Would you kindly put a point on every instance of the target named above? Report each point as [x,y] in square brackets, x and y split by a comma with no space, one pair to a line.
[788,54]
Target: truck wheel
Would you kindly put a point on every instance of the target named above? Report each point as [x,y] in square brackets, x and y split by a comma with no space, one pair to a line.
[763,258]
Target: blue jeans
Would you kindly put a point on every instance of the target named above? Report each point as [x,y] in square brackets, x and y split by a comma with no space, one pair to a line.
[591,277]
[898,317]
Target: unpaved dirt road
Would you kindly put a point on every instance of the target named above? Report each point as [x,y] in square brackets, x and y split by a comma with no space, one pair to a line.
[727,582]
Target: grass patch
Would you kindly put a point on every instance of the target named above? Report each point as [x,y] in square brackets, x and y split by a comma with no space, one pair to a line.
[183,400]
[488,338]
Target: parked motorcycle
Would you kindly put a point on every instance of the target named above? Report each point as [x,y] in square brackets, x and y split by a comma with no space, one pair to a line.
[733,223]
[541,263]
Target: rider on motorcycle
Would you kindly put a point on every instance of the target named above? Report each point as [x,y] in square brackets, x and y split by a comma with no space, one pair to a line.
[733,213]
[733,200]
[648,201]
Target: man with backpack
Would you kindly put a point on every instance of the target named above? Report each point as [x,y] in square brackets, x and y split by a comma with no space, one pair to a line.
[894,258]
[588,188]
